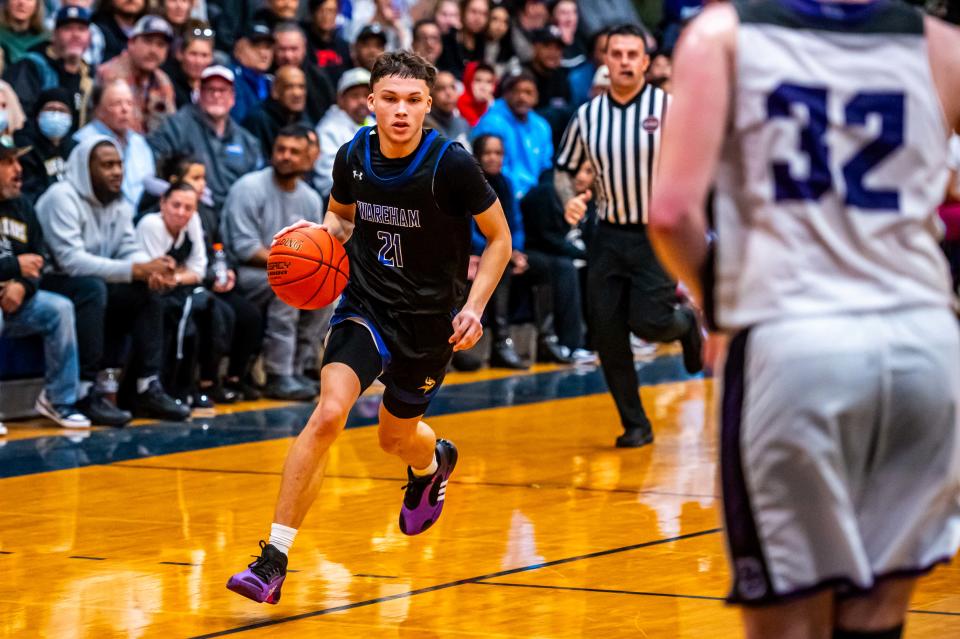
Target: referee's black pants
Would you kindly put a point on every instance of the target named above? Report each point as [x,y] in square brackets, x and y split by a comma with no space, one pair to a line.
[628,291]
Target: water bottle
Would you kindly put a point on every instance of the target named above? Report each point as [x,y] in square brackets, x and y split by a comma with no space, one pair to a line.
[220,268]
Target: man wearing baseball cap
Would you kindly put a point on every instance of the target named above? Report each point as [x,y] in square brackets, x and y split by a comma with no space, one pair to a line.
[341,122]
[370,44]
[252,58]
[26,310]
[206,131]
[139,66]
[58,63]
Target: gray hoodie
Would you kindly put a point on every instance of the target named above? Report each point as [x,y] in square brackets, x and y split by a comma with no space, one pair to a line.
[85,237]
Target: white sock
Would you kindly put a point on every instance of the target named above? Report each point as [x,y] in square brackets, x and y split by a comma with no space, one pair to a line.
[143,383]
[281,537]
[429,470]
[84,389]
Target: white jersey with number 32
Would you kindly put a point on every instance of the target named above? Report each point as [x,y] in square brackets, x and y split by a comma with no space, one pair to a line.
[829,180]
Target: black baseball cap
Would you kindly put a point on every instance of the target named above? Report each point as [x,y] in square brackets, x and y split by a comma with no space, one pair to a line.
[372,31]
[66,15]
[258,32]
[548,35]
[9,148]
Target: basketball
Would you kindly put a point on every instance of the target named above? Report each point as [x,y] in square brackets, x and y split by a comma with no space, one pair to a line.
[308,268]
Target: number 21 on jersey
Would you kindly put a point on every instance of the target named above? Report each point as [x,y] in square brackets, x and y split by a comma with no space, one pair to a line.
[390,253]
[887,106]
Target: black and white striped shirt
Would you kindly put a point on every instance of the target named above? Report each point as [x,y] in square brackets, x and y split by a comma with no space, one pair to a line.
[622,141]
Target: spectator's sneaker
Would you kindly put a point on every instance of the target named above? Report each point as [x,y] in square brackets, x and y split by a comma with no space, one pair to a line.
[154,402]
[692,344]
[584,357]
[3,429]
[551,351]
[66,416]
[101,412]
[245,389]
[288,388]
[220,394]
[263,578]
[503,355]
[423,501]
[201,405]
[307,382]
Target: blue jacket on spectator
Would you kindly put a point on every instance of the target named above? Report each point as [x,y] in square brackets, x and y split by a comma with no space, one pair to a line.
[511,209]
[251,88]
[528,146]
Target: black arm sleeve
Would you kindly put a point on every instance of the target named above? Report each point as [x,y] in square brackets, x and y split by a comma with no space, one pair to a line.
[341,178]
[460,185]
[9,268]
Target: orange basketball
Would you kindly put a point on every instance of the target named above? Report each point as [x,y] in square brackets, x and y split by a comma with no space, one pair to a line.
[308,268]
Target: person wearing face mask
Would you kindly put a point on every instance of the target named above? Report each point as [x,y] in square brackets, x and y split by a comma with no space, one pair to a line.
[48,135]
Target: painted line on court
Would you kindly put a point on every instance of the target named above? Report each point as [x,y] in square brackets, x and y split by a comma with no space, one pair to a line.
[459,482]
[451,584]
[614,591]
[90,448]
[608,591]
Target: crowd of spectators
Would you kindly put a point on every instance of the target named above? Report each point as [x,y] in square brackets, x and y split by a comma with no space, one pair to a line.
[151,148]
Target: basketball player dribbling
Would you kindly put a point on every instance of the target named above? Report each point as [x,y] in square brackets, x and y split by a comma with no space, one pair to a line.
[403,197]
[823,128]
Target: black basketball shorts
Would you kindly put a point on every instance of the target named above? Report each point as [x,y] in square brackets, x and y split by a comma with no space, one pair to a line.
[411,382]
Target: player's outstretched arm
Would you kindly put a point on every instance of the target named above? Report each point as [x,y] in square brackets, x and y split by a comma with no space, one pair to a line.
[338,222]
[692,139]
[467,329]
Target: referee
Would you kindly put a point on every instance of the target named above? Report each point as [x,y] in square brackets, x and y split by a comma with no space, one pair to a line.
[627,290]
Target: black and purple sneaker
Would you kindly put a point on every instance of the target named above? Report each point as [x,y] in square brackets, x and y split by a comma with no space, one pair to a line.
[263,578]
[423,501]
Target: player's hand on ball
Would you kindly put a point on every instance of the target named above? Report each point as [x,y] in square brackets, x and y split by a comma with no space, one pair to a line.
[302,224]
[467,330]
[576,207]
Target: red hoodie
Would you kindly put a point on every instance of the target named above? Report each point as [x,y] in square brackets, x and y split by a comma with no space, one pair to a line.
[470,108]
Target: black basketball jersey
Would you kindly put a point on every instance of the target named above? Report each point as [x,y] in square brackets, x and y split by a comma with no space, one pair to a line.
[409,251]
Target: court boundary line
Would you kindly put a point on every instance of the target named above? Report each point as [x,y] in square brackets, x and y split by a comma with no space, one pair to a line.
[488,484]
[640,593]
[452,584]
[608,591]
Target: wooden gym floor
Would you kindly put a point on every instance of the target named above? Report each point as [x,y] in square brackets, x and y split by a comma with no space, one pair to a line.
[548,530]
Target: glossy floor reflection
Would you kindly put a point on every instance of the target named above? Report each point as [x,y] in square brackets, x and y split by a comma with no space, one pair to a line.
[548,530]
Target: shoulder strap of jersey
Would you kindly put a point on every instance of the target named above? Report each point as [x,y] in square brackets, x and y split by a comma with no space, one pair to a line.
[436,165]
[362,131]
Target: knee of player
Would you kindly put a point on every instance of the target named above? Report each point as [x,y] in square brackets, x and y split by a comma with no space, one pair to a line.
[328,420]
